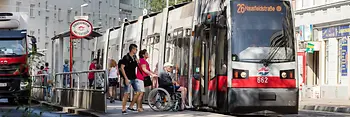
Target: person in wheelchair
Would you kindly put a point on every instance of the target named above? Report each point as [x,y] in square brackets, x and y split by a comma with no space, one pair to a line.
[166,82]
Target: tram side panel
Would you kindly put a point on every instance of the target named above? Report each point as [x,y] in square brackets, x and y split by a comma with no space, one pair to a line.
[131,36]
[150,41]
[114,45]
[177,49]
[115,54]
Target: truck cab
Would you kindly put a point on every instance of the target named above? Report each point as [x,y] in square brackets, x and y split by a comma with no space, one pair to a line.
[14,76]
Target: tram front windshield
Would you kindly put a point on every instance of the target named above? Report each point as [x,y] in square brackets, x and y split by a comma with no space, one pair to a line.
[262,31]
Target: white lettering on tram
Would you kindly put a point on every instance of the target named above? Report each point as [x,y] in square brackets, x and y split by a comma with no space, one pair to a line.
[262,80]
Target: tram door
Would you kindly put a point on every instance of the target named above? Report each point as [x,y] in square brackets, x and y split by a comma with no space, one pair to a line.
[204,70]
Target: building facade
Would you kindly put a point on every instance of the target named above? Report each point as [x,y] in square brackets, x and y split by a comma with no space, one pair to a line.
[52,17]
[323,31]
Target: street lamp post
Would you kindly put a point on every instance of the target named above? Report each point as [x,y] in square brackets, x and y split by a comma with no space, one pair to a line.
[81,40]
[167,3]
[81,8]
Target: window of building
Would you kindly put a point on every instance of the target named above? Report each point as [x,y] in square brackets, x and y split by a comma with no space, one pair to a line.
[114,21]
[55,15]
[325,11]
[39,13]
[314,2]
[45,31]
[31,10]
[59,14]
[46,21]
[315,34]
[31,33]
[99,15]
[38,31]
[326,62]
[99,10]
[18,6]
[46,45]
[76,13]
[39,4]
[339,60]
[47,5]
[46,24]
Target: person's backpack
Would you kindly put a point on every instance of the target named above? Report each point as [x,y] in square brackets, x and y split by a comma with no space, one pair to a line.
[119,65]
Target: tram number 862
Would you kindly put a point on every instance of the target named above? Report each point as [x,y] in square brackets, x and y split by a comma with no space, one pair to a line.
[262,80]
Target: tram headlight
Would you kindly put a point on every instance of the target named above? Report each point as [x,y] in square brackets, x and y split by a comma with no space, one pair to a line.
[287,74]
[284,75]
[243,74]
[240,74]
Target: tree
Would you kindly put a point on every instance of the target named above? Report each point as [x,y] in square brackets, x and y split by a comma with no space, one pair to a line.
[158,5]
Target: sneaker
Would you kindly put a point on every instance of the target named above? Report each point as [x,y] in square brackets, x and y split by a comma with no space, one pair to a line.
[111,101]
[131,109]
[124,113]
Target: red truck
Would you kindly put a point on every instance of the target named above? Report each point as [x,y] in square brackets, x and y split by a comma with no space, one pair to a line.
[14,76]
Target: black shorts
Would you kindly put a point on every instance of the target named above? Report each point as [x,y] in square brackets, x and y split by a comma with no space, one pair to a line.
[91,82]
[113,81]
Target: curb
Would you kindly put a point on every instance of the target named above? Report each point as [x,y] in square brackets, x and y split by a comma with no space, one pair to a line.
[72,110]
[338,109]
[84,112]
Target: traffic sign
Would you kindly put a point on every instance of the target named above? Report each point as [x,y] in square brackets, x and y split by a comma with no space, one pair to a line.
[310,48]
[81,28]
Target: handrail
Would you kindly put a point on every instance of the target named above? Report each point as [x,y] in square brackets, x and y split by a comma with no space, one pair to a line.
[77,72]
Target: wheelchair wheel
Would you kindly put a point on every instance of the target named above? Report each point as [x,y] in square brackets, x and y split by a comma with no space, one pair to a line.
[159,100]
[177,102]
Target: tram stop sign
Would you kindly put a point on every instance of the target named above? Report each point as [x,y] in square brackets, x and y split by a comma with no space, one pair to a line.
[81,28]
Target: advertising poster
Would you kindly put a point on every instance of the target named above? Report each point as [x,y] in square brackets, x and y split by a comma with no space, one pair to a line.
[344,57]
[339,31]
[301,33]
[308,32]
[301,68]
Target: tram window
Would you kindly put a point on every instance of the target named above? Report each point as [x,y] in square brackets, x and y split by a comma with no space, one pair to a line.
[222,52]
[157,39]
[155,52]
[144,41]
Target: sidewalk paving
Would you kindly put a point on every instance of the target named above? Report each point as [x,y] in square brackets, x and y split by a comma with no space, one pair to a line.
[329,105]
[115,109]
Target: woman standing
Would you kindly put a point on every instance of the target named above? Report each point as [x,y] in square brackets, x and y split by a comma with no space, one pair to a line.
[112,79]
[144,75]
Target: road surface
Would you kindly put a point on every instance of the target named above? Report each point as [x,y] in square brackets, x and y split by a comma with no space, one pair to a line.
[7,110]
[35,110]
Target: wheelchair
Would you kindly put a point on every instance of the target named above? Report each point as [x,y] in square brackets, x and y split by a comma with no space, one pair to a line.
[164,99]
